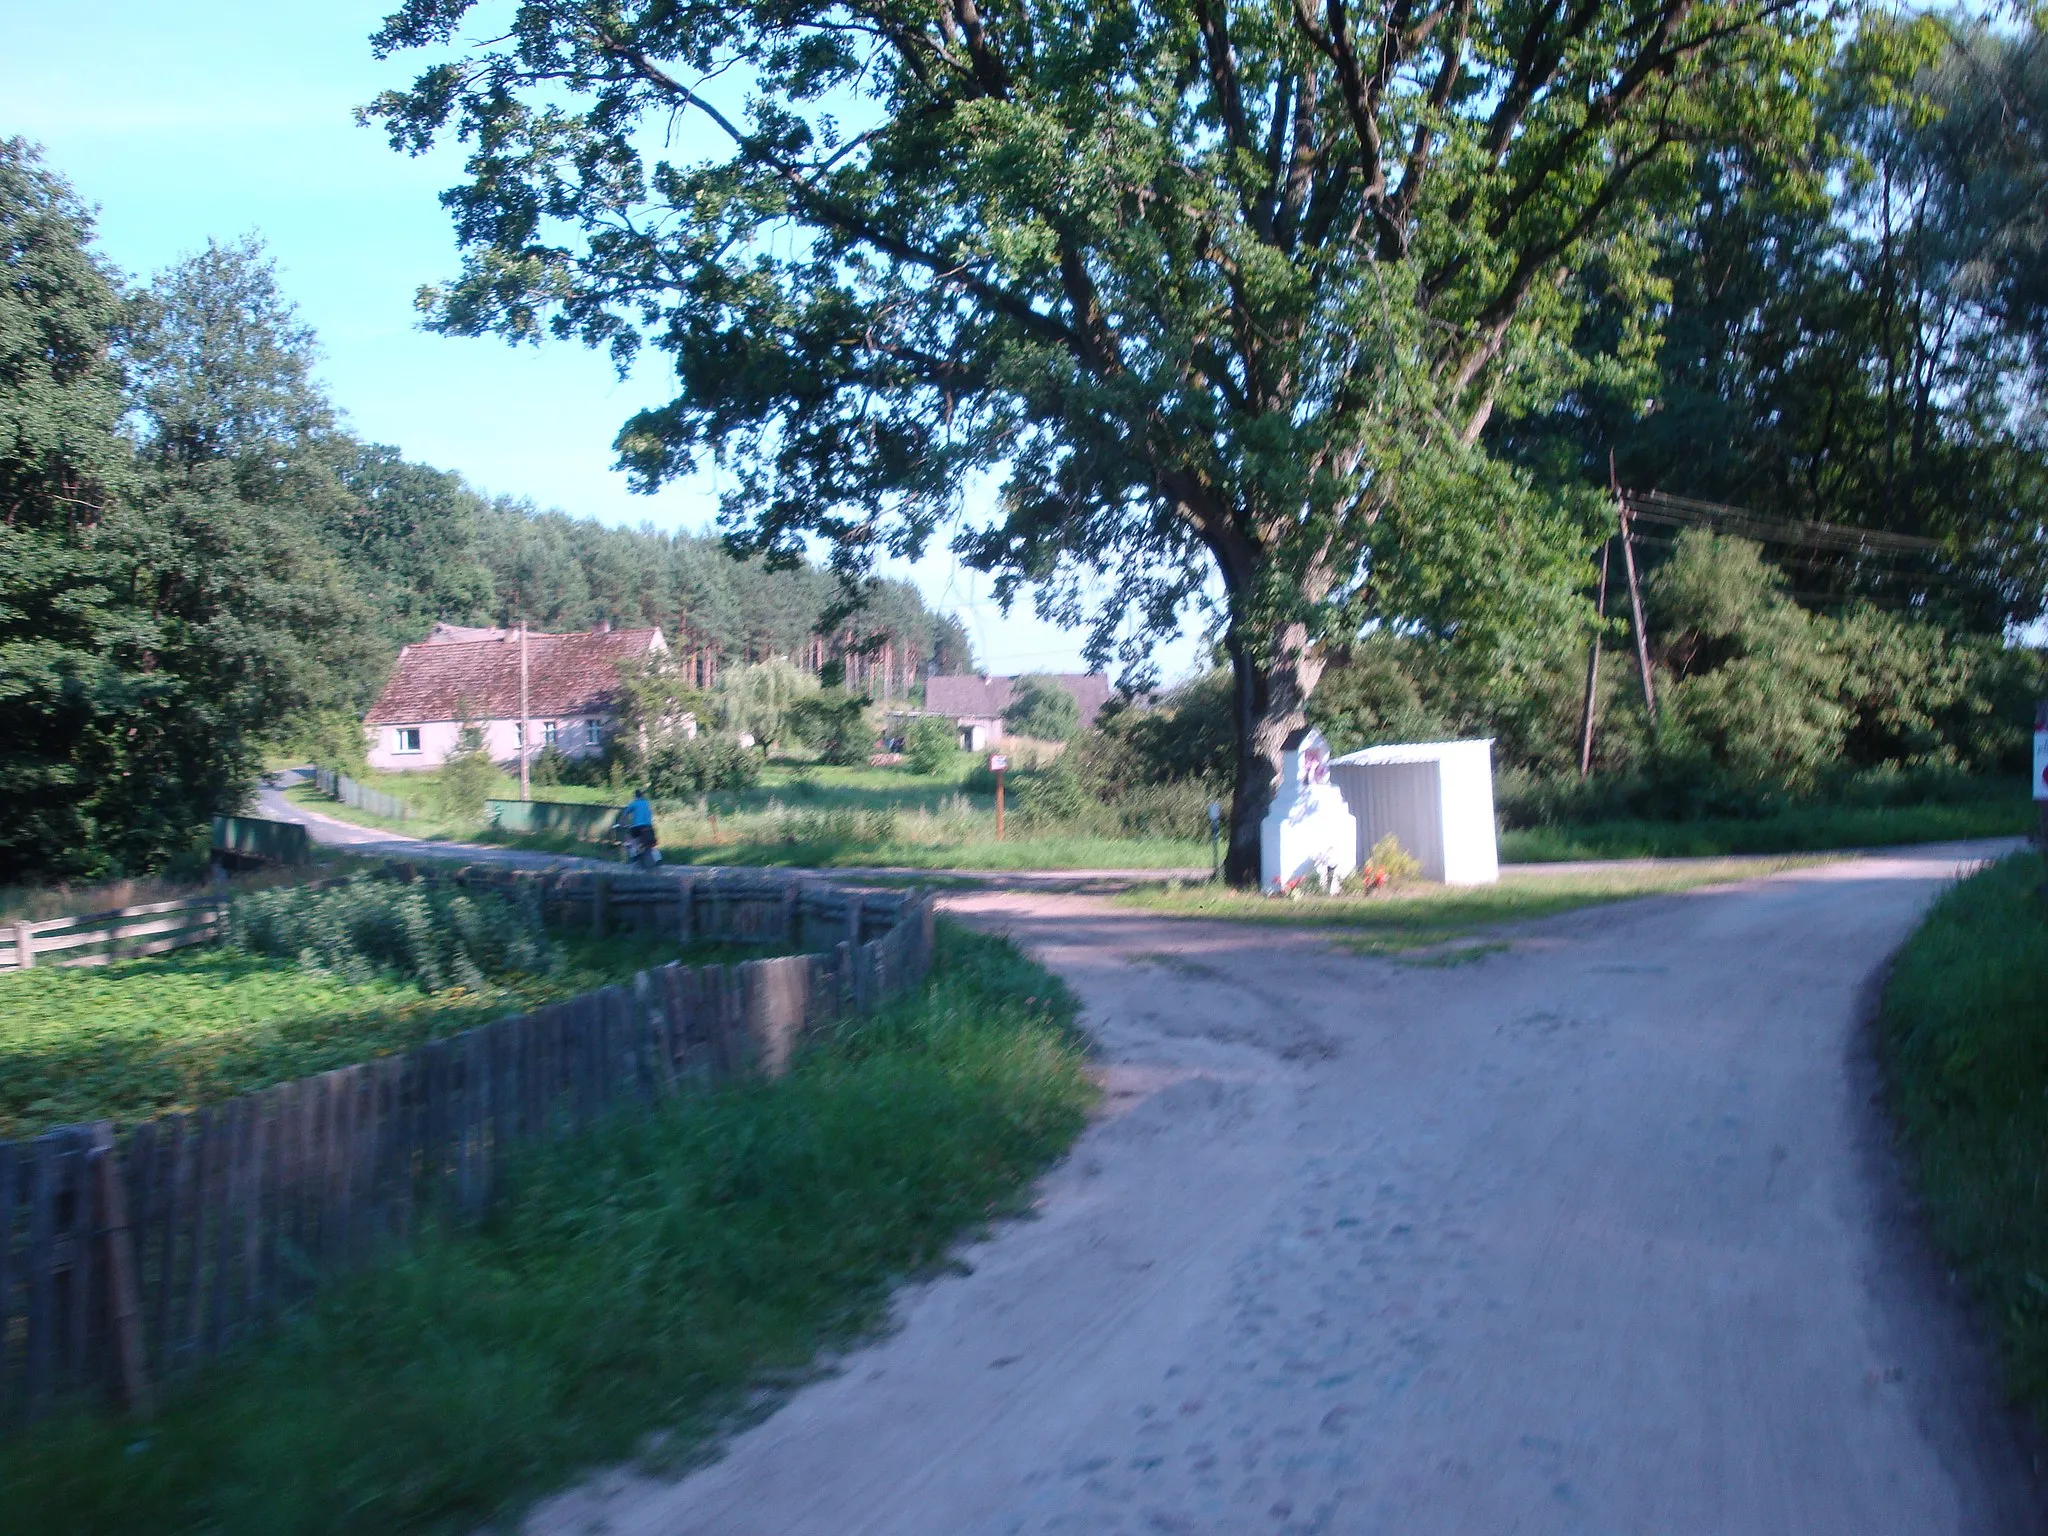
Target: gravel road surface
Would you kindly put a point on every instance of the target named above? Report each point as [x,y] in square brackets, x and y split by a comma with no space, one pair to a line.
[1600,1234]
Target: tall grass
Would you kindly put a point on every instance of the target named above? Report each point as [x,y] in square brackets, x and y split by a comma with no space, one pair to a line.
[436,937]
[642,1280]
[1965,1040]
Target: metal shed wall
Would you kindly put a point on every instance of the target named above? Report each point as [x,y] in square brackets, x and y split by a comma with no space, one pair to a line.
[1405,799]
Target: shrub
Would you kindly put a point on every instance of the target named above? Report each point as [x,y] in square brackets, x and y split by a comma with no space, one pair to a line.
[930,746]
[681,767]
[833,724]
[550,768]
[465,781]
[1040,707]
[1389,863]
[439,938]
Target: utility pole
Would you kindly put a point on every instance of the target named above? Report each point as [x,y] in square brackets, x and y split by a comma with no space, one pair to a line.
[525,722]
[1593,667]
[1635,603]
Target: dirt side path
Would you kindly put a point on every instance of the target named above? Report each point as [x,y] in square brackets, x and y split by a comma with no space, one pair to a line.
[1596,1235]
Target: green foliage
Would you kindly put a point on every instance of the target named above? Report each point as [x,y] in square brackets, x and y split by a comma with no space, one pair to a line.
[1393,864]
[156,627]
[645,1277]
[1041,708]
[1965,1041]
[834,724]
[684,767]
[435,937]
[466,778]
[930,745]
[757,698]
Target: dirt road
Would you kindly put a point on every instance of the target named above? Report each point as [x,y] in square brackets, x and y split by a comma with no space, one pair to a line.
[1599,1234]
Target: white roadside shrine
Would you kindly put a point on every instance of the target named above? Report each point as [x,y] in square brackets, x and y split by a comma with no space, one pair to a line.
[1310,831]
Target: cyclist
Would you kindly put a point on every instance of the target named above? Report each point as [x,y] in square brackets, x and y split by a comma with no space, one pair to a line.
[640,828]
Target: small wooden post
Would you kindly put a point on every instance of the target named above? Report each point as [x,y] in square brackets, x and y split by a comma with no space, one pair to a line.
[25,945]
[124,1293]
[790,897]
[686,903]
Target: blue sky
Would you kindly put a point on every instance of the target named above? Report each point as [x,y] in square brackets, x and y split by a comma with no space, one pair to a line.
[185,121]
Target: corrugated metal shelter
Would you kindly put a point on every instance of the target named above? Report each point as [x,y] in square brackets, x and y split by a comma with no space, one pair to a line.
[1436,797]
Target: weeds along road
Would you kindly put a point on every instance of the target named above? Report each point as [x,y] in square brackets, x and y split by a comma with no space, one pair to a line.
[1598,1234]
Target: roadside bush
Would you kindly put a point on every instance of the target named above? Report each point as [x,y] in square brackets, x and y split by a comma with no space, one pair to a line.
[438,938]
[930,745]
[682,767]
[1965,1040]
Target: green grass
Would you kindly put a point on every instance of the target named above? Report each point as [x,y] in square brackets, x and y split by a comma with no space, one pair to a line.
[1965,1041]
[1800,830]
[1421,915]
[642,1280]
[125,1042]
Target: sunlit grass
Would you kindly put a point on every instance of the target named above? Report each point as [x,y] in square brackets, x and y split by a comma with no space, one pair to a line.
[1421,914]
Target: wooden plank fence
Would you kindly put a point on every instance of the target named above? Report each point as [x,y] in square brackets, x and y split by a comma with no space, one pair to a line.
[738,907]
[339,787]
[129,1257]
[101,938]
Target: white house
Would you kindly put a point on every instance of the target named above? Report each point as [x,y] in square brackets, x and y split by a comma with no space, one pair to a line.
[975,702]
[461,676]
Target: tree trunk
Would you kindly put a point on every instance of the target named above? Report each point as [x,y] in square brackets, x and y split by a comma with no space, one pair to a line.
[1272,693]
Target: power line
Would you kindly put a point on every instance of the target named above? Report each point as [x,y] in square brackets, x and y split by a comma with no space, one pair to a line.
[1684,512]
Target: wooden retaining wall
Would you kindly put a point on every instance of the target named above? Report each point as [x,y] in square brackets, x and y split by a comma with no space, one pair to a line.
[130,1255]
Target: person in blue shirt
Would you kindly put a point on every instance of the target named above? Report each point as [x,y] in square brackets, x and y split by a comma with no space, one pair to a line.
[640,821]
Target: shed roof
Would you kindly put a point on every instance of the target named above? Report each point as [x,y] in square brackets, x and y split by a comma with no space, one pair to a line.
[449,678]
[977,696]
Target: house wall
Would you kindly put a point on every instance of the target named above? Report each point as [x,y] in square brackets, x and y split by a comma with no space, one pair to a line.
[439,739]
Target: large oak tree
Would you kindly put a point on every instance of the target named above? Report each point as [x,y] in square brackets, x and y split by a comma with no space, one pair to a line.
[1210,287]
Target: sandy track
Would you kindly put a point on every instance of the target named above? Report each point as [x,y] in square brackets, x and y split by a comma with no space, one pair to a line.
[1596,1235]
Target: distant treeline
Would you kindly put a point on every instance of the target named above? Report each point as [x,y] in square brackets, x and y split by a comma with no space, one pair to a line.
[200,564]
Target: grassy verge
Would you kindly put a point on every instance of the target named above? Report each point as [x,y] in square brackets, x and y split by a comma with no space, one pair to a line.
[1420,915]
[1965,1041]
[641,1280]
[1807,829]
[129,1041]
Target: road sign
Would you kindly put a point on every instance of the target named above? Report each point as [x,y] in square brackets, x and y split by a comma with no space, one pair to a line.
[997,762]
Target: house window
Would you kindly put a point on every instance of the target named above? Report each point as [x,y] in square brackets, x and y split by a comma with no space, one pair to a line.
[408,739]
[593,734]
[548,732]
[519,734]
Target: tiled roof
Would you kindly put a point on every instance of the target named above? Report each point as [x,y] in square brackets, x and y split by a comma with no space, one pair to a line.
[973,697]
[446,678]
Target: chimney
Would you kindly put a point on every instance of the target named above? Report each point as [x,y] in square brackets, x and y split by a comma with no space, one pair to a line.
[604,626]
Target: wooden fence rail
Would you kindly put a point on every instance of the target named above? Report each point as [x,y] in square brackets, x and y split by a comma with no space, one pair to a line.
[128,1257]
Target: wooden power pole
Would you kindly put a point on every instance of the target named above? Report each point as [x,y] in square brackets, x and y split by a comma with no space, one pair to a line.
[1635,603]
[1593,668]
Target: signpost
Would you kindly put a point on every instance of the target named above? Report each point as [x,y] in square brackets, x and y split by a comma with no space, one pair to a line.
[1215,829]
[996,764]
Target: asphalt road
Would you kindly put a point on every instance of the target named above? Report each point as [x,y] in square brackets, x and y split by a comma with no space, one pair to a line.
[1599,1234]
